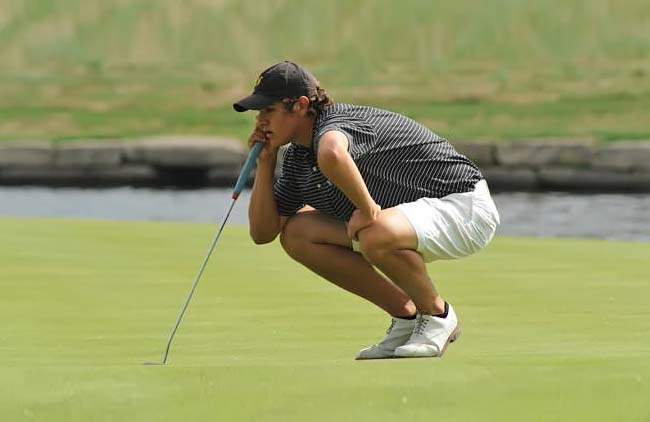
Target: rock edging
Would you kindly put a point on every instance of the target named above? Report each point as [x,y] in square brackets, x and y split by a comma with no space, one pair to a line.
[191,161]
[562,164]
[151,161]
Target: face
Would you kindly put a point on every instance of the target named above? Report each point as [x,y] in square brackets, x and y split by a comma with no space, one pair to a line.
[278,123]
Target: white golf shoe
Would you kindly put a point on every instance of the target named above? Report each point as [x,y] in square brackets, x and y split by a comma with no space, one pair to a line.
[397,334]
[431,336]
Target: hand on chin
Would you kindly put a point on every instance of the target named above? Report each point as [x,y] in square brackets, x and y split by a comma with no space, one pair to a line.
[277,141]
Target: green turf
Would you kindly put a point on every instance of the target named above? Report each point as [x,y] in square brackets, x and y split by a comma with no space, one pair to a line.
[553,330]
[496,68]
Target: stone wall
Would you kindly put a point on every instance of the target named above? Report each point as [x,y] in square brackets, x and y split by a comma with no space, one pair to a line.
[562,164]
[524,165]
[154,161]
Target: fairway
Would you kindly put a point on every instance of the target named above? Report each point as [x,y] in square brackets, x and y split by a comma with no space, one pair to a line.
[552,330]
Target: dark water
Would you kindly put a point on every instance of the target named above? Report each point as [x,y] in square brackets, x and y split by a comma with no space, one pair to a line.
[606,216]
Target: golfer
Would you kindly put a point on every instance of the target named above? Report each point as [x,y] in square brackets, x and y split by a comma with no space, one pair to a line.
[361,190]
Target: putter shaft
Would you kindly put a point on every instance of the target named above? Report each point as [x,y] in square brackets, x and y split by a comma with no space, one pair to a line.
[239,186]
[196,280]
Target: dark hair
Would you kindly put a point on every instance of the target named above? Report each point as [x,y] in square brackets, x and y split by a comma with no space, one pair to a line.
[318,101]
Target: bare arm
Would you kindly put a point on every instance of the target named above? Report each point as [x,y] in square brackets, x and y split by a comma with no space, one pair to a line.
[264,221]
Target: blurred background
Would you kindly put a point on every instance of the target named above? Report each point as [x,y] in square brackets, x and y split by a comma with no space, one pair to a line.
[502,69]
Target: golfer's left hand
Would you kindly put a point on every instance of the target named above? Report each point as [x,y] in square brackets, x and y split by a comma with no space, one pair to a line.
[361,220]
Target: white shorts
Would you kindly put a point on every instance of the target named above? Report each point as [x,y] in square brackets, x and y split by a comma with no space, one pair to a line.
[454,226]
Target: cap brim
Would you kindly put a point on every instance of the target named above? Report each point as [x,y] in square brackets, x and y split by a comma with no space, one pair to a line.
[254,102]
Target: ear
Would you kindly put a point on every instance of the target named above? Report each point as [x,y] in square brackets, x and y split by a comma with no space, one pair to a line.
[301,105]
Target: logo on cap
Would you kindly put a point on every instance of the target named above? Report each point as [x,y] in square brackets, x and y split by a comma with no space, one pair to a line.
[259,81]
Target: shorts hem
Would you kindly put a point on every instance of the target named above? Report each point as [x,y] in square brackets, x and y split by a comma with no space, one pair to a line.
[403,208]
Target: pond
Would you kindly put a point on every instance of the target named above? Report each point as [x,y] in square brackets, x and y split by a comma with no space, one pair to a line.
[605,216]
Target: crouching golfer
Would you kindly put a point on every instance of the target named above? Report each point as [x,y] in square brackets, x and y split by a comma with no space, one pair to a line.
[364,188]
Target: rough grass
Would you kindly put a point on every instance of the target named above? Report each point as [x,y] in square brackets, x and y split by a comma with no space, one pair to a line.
[75,68]
[553,330]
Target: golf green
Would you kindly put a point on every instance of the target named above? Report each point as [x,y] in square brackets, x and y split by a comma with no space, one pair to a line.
[553,329]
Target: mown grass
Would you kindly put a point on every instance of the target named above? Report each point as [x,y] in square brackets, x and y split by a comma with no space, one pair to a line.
[499,68]
[553,330]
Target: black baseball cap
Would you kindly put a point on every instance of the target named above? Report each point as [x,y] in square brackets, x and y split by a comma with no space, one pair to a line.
[282,80]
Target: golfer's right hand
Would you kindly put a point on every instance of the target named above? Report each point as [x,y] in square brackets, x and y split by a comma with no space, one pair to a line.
[268,152]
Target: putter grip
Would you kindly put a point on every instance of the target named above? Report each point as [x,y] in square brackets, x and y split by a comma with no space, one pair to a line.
[246,170]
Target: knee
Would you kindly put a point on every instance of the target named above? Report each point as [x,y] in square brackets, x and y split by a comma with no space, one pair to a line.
[292,237]
[375,243]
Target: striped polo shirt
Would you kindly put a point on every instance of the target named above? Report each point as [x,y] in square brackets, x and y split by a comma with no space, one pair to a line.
[399,159]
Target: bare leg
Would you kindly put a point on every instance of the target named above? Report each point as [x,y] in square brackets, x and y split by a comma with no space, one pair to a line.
[390,245]
[322,245]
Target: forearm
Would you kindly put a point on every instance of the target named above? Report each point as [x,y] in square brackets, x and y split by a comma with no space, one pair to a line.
[339,167]
[264,220]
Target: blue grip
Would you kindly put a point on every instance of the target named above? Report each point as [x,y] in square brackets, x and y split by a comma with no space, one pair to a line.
[246,170]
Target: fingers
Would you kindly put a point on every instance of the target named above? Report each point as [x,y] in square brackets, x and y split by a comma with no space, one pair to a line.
[354,226]
[268,152]
[359,221]
[258,135]
[351,233]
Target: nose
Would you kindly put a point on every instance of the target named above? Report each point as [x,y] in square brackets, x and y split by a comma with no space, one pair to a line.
[261,119]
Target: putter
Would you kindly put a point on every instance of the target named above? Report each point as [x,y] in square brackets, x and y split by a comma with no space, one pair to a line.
[241,181]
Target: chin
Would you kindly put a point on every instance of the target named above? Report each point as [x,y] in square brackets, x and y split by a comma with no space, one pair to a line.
[284,142]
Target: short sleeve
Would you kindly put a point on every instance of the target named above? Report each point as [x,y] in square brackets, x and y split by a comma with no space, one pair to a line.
[359,133]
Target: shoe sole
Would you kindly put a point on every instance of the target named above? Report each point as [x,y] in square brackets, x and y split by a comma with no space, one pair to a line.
[452,338]
[377,358]
[455,335]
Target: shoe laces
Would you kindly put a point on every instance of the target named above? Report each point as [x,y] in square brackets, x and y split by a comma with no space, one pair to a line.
[390,327]
[420,325]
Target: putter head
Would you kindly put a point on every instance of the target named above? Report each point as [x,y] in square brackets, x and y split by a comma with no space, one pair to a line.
[154,363]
